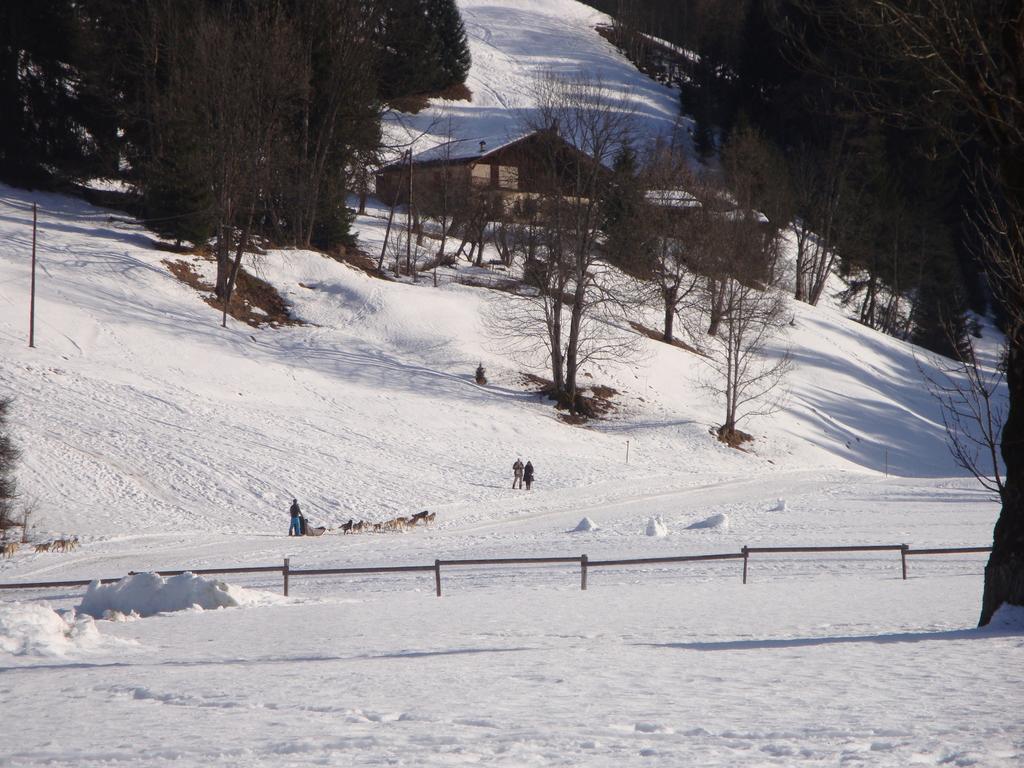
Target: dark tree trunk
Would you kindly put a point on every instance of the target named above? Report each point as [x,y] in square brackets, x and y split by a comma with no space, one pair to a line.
[671,294]
[801,265]
[1004,574]
[223,261]
[717,299]
[243,243]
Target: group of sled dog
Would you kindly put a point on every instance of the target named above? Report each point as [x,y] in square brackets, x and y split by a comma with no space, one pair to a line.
[57,545]
[396,524]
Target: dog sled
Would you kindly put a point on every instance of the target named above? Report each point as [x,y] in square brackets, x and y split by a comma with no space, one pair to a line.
[308,530]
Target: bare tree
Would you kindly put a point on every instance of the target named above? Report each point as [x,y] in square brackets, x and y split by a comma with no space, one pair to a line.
[822,200]
[971,398]
[239,75]
[442,194]
[677,228]
[590,119]
[746,377]
[573,300]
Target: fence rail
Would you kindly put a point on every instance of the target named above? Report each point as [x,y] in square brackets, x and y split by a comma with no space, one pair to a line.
[287,572]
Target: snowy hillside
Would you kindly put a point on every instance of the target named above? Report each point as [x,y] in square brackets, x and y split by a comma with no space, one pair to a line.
[137,409]
[514,45]
[163,441]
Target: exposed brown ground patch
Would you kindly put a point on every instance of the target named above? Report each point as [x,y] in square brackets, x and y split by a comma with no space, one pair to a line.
[254,301]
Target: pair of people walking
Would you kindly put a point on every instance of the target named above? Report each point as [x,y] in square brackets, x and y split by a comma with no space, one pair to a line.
[522,474]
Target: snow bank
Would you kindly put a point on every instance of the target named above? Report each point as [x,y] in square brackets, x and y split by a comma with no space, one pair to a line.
[38,630]
[715,521]
[586,524]
[147,594]
[1009,618]
[656,527]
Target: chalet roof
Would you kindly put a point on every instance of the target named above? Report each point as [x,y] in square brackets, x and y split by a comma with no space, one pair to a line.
[681,198]
[460,151]
[671,198]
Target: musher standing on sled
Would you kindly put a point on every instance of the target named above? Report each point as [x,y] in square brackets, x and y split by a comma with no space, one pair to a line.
[295,529]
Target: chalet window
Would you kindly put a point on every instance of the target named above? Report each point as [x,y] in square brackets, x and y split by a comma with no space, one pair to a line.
[481,175]
[508,177]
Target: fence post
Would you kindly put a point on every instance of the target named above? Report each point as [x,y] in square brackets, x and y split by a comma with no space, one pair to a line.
[903,557]
[583,572]
[746,556]
[437,576]
[284,574]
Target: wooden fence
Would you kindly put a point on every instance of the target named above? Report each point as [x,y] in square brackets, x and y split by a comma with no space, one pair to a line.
[287,572]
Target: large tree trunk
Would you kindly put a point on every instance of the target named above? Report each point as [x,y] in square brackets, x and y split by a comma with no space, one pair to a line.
[671,298]
[717,298]
[799,291]
[572,348]
[1004,574]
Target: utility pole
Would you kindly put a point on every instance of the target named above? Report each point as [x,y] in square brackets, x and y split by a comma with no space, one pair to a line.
[408,225]
[32,290]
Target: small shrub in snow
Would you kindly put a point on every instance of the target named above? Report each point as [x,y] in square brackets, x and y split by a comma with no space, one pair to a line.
[656,527]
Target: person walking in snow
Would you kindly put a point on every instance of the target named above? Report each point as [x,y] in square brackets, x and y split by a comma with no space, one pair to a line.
[528,474]
[517,473]
[295,529]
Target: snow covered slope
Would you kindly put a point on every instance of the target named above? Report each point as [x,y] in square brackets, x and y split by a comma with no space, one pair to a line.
[514,43]
[136,411]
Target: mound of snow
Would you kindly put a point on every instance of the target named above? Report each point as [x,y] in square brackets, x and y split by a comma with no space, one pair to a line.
[656,527]
[586,524]
[1009,618]
[715,521]
[147,594]
[780,506]
[38,630]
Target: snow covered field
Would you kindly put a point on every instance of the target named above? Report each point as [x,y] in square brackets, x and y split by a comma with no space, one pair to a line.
[164,441]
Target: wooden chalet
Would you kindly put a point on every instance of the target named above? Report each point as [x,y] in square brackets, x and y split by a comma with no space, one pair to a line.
[513,173]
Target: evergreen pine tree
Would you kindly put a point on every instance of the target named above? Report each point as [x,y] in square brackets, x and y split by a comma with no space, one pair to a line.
[410,50]
[940,314]
[621,209]
[8,460]
[698,100]
[454,46]
[44,123]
